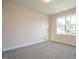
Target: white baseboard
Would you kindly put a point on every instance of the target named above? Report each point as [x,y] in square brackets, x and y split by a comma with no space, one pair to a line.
[64,42]
[20,46]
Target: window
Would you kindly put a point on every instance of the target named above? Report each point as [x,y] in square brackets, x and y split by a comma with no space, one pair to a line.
[66,25]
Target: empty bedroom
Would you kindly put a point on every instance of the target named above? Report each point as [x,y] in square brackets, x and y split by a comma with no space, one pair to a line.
[38,29]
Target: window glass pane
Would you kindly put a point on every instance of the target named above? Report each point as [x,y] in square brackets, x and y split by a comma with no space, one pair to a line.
[60,25]
[68,20]
[73,19]
[61,21]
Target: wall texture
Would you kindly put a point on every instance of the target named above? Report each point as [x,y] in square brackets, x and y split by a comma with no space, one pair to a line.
[22,26]
[52,29]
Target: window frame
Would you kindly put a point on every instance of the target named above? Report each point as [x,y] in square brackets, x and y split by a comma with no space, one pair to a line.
[65,25]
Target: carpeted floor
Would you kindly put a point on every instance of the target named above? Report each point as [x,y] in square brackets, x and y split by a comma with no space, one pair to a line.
[44,50]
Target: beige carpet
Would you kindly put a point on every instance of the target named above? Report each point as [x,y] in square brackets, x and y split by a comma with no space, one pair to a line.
[44,50]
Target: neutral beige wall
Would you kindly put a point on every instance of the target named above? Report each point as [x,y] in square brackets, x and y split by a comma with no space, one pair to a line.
[52,28]
[22,25]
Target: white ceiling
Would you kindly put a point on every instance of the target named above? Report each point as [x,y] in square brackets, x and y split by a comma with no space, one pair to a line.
[49,8]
